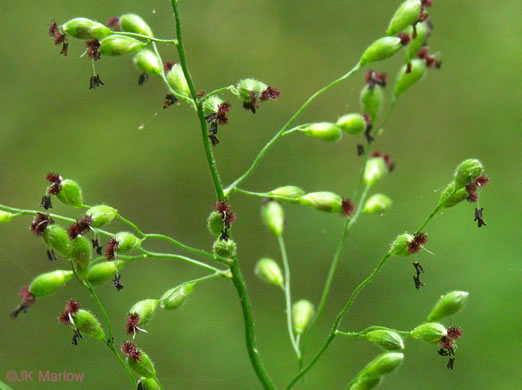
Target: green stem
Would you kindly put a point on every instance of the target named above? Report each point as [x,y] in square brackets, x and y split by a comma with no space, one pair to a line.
[430,217]
[151,39]
[199,107]
[288,297]
[361,174]
[337,322]
[363,333]
[260,155]
[126,259]
[347,226]
[123,364]
[179,257]
[189,101]
[145,236]
[253,352]
[340,316]
[54,216]
[294,129]
[218,91]
[110,341]
[190,249]
[264,195]
[388,114]
[303,371]
[335,262]
[104,312]
[132,225]
[359,288]
[226,274]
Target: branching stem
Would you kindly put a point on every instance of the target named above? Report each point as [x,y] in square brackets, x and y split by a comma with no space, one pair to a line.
[338,320]
[179,257]
[260,155]
[335,328]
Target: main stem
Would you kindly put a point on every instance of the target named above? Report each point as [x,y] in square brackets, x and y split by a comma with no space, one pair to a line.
[237,277]
[202,122]
[286,126]
[253,352]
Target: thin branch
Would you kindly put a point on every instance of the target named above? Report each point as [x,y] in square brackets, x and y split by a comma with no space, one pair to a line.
[279,134]
[288,297]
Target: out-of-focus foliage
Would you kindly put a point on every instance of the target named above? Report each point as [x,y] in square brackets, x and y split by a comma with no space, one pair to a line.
[158,178]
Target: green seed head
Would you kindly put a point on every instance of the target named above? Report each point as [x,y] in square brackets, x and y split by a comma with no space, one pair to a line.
[118,45]
[101,215]
[212,104]
[83,28]
[407,14]
[268,271]
[138,360]
[57,238]
[377,203]
[324,201]
[302,313]
[225,248]
[371,101]
[175,297]
[399,247]
[452,196]
[81,255]
[70,193]
[416,43]
[215,223]
[135,24]
[352,123]
[149,384]
[147,61]
[143,366]
[88,325]
[366,383]
[246,87]
[102,272]
[467,171]
[46,284]
[374,170]
[430,332]
[448,304]
[406,80]
[288,192]
[144,309]
[127,242]
[177,80]
[387,339]
[381,49]
[5,216]
[273,217]
[323,131]
[384,364]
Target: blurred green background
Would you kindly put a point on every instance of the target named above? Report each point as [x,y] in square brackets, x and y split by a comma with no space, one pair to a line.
[158,178]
